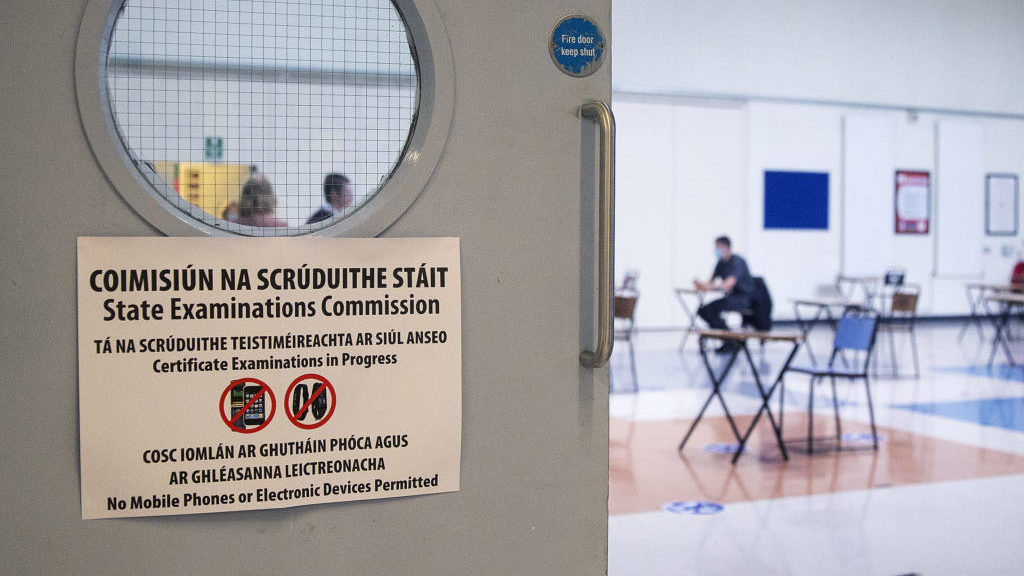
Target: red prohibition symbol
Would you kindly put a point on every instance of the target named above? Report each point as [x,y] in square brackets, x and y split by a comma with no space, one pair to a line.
[249,411]
[305,403]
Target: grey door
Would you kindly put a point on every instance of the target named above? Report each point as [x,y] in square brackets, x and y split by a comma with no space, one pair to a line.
[516,179]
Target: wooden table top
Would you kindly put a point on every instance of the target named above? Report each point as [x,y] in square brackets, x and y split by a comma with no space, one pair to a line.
[773,336]
[1006,297]
[996,287]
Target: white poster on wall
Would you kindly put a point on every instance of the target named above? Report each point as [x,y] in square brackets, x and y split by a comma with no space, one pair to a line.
[220,374]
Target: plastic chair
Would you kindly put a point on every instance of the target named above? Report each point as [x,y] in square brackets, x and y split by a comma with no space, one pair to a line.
[894,277]
[901,317]
[892,282]
[855,332]
[625,327]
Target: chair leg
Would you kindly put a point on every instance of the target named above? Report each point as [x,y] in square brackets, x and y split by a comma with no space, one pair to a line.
[632,364]
[810,417]
[913,344]
[892,352]
[871,412]
[835,406]
[782,402]
[873,364]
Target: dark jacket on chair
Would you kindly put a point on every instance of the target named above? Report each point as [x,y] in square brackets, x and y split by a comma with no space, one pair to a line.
[760,306]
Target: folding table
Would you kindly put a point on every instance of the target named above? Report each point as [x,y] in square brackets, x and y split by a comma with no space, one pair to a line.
[1007,302]
[977,292]
[869,285]
[717,379]
[691,313]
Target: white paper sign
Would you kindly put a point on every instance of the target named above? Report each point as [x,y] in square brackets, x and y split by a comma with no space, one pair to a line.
[221,374]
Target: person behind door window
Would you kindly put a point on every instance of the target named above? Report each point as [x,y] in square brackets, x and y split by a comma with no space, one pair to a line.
[337,196]
[257,203]
[731,276]
[230,212]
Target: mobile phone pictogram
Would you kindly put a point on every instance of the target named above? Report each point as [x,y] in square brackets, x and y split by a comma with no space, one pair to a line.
[247,405]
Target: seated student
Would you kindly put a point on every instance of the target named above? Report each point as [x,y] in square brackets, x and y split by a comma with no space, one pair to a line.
[732,276]
[257,203]
[337,196]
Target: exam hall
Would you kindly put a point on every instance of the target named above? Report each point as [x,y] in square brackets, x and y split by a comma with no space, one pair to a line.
[864,160]
[525,205]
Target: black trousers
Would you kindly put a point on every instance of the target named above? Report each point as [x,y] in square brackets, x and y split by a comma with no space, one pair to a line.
[712,311]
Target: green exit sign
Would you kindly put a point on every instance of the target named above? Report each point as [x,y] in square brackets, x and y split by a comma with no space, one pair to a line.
[213,148]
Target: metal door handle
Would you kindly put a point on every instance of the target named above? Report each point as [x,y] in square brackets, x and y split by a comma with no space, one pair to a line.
[600,112]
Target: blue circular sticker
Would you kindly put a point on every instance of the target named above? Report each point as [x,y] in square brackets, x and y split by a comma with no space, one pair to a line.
[577,46]
[694,507]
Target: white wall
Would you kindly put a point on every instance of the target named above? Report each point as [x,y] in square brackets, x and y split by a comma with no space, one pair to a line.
[948,54]
[803,139]
[689,171]
[790,72]
[679,184]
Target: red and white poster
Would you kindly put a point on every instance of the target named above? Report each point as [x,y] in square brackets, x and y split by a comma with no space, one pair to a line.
[221,374]
[913,202]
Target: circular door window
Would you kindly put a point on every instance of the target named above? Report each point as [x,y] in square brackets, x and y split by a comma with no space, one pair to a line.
[259,118]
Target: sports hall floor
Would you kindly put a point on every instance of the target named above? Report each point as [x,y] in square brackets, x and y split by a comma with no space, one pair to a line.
[944,493]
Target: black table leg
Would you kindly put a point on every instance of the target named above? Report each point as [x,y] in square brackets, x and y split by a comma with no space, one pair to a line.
[1002,322]
[806,326]
[765,396]
[976,300]
[716,383]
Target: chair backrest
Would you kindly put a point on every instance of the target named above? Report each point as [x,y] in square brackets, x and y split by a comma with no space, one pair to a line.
[856,332]
[904,302]
[625,306]
[760,306]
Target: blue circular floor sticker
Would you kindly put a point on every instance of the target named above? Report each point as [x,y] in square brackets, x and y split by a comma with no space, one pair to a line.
[577,46]
[694,507]
[723,448]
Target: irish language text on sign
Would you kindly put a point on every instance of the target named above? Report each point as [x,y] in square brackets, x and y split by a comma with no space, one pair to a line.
[221,374]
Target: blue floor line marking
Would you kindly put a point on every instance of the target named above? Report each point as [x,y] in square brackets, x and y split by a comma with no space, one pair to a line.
[1006,413]
[1003,372]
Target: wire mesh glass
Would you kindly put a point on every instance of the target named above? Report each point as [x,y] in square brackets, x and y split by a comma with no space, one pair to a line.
[264,118]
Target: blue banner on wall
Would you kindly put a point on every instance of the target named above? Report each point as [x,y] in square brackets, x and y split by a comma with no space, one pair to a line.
[795,200]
